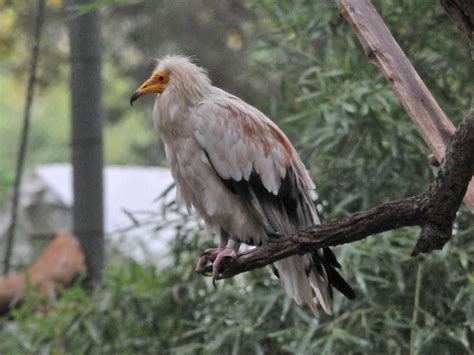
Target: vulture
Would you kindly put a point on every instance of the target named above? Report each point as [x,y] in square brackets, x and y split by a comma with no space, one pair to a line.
[241,174]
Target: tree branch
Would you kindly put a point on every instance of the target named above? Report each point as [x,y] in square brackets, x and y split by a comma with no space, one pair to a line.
[383,51]
[434,211]
[462,13]
[20,163]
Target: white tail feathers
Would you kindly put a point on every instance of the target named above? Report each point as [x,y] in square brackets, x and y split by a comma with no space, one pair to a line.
[320,286]
[298,285]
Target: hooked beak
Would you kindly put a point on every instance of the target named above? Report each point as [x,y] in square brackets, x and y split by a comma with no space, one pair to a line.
[152,85]
[135,96]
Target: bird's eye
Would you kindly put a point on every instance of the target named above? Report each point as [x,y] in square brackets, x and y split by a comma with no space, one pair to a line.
[161,78]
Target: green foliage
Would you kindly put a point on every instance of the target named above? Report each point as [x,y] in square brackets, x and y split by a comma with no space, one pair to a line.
[100,4]
[173,311]
[359,143]
[49,139]
[361,148]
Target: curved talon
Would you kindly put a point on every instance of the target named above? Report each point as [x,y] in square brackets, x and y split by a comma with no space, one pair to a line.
[207,258]
[203,263]
[215,269]
[214,257]
[226,253]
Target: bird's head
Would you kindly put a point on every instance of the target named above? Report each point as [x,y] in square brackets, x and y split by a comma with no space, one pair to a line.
[155,84]
[176,74]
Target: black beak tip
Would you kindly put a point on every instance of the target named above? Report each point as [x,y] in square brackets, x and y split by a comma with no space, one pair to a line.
[134,96]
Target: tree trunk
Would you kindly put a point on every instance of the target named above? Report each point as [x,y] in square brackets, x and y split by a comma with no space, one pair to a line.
[87,156]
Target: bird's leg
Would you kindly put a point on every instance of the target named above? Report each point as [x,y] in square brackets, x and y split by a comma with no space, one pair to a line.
[230,251]
[207,258]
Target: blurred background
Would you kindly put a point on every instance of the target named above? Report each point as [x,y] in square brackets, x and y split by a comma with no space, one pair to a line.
[300,63]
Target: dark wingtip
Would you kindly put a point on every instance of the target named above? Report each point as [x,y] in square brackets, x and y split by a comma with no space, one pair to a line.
[338,282]
[134,96]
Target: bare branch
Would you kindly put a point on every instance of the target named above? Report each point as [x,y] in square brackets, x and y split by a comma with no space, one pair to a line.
[446,192]
[20,163]
[434,211]
[383,51]
[462,13]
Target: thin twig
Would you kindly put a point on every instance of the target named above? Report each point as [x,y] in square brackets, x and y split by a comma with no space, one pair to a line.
[416,306]
[24,136]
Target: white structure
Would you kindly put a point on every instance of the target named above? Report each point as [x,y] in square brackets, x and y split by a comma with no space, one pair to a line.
[132,208]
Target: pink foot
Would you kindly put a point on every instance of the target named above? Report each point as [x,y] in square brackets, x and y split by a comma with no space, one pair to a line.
[213,257]
[226,253]
[207,259]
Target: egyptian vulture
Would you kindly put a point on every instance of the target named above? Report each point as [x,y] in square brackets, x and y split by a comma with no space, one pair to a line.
[241,174]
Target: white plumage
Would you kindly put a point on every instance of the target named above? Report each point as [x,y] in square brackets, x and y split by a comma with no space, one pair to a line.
[239,171]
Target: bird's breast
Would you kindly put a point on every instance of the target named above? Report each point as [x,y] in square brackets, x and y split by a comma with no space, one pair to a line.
[172,120]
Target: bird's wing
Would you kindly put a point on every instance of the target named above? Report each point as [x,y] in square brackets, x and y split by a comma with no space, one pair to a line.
[256,161]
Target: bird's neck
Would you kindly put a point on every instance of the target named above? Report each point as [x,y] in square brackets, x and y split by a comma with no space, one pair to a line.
[190,92]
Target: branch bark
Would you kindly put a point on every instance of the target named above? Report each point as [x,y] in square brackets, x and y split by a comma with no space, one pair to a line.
[383,51]
[434,211]
[462,14]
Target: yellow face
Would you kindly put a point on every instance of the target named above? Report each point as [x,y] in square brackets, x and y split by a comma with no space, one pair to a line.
[155,84]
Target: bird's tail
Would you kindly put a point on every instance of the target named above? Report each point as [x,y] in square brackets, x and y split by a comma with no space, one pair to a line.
[301,275]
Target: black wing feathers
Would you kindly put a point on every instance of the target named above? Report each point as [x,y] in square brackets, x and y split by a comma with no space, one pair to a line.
[270,208]
[285,213]
[339,283]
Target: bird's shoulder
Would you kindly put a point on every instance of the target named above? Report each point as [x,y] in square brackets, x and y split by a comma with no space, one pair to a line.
[222,112]
[239,140]
[220,105]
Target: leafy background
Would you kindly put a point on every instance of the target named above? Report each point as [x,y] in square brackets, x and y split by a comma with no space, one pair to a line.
[300,63]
